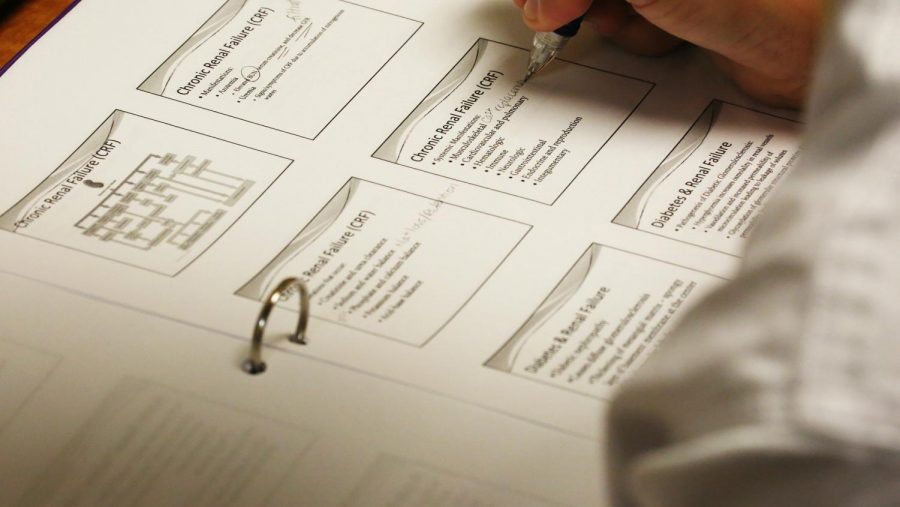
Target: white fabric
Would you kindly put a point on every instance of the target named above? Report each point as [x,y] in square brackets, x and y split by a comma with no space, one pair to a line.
[783,388]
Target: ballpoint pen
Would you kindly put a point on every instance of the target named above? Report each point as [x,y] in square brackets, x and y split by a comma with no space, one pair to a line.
[547,45]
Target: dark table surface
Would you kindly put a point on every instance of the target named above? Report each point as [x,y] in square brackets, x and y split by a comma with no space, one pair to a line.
[22,20]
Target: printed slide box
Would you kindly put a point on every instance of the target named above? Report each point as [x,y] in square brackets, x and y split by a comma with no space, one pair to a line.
[289,65]
[482,125]
[391,263]
[603,319]
[711,189]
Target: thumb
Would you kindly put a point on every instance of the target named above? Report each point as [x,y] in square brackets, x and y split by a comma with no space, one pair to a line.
[548,15]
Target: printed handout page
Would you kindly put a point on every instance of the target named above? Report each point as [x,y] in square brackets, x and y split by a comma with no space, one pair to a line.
[151,445]
[162,420]
[520,247]
[395,481]
[23,370]
[483,125]
[286,64]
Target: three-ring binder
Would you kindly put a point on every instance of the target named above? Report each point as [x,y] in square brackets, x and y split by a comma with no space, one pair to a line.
[254,364]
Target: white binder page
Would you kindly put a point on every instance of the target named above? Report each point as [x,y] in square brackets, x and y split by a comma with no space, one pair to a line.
[521,247]
[161,418]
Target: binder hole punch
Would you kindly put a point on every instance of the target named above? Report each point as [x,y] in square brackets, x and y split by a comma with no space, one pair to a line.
[254,365]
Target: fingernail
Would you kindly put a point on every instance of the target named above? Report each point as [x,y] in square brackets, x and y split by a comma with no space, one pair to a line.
[532,9]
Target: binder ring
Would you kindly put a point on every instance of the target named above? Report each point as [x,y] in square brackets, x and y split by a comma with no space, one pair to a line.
[254,365]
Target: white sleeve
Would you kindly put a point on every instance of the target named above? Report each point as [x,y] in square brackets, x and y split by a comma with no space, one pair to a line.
[783,388]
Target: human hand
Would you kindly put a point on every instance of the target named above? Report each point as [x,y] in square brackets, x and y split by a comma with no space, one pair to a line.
[766,46]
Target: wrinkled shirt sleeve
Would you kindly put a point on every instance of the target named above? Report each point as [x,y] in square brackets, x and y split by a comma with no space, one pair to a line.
[783,387]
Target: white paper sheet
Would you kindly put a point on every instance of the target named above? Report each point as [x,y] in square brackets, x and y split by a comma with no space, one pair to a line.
[520,248]
[140,410]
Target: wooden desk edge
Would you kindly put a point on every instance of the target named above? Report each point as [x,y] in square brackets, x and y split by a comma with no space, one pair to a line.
[25,20]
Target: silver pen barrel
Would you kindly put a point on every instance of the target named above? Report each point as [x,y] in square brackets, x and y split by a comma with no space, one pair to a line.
[546,47]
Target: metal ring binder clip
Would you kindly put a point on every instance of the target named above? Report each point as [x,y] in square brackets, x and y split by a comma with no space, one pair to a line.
[254,364]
